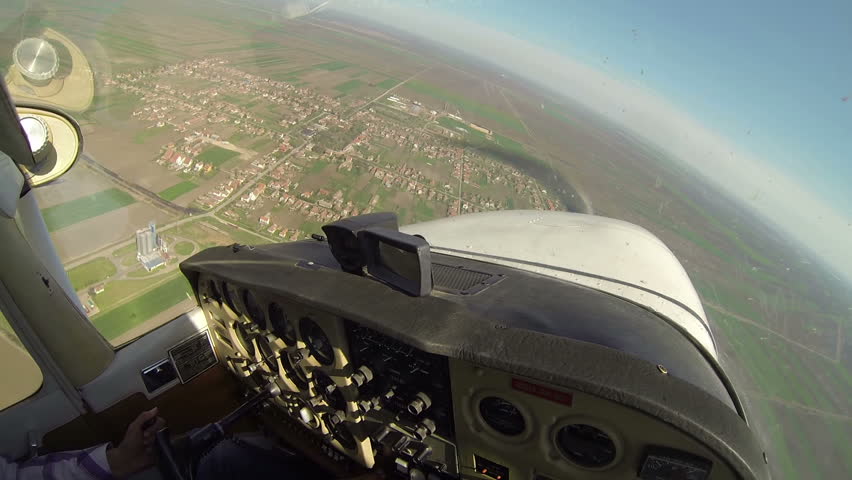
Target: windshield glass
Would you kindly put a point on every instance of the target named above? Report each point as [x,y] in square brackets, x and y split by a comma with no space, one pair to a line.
[723,129]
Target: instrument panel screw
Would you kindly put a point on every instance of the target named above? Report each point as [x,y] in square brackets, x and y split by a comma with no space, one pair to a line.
[663,369]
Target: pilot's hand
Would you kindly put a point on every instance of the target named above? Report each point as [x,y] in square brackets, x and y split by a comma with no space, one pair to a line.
[136,450]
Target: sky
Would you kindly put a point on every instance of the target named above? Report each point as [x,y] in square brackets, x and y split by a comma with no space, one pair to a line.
[750,93]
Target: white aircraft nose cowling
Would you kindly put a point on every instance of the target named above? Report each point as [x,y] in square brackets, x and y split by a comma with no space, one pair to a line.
[602,253]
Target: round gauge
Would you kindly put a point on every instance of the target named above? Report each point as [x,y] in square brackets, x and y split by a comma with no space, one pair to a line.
[226,293]
[340,432]
[36,59]
[502,416]
[281,324]
[294,372]
[268,352]
[253,309]
[317,341]
[585,445]
[329,391]
[244,338]
[38,134]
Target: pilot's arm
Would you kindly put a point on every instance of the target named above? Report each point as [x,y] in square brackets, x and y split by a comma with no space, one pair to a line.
[134,453]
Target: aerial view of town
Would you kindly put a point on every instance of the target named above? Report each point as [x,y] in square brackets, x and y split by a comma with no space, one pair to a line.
[234,125]
[275,162]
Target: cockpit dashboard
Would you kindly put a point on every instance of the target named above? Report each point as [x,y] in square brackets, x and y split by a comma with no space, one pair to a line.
[498,374]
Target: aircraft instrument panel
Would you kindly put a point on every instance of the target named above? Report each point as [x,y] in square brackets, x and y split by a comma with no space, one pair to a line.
[504,383]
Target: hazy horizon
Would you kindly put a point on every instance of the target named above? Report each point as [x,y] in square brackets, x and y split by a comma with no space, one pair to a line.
[810,206]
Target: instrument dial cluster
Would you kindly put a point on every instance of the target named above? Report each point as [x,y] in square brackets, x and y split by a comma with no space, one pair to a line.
[381,401]
[410,383]
[265,338]
[362,391]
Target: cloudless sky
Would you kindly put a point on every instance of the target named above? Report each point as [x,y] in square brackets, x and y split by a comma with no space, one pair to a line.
[767,75]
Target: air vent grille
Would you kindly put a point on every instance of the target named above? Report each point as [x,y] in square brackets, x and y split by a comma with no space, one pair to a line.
[461,280]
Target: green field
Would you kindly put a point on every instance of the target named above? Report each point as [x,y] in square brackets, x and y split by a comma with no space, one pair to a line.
[184,248]
[556,113]
[349,86]
[681,230]
[482,110]
[777,372]
[69,213]
[316,166]
[309,227]
[455,126]
[236,137]
[144,135]
[479,139]
[333,66]
[115,322]
[91,272]
[387,83]
[216,155]
[117,291]
[423,211]
[237,234]
[120,105]
[177,190]
[262,143]
[126,255]
[732,235]
[141,273]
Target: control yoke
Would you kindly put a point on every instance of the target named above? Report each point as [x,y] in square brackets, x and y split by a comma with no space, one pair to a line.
[180,463]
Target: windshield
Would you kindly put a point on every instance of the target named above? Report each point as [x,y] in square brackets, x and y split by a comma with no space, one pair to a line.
[723,129]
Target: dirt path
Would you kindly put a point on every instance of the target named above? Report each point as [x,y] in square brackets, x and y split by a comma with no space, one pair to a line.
[766,329]
[391,89]
[799,407]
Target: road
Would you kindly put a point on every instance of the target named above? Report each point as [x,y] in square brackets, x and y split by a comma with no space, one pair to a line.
[152,197]
[237,194]
[798,406]
[766,329]
[391,89]
[193,213]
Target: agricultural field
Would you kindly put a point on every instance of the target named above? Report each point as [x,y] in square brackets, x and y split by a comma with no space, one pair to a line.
[115,321]
[216,155]
[91,272]
[177,190]
[184,248]
[69,213]
[348,86]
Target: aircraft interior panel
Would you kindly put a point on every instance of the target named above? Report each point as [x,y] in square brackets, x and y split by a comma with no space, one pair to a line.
[516,427]
[418,387]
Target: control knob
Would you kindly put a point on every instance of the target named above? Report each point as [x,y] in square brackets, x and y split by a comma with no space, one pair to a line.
[299,354]
[419,404]
[424,429]
[336,417]
[362,375]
